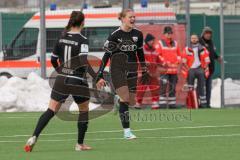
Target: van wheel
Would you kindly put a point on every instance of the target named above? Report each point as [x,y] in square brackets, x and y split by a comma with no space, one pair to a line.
[4,74]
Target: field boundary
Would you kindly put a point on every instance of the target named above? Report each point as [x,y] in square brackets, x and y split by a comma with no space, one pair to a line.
[166,137]
[135,130]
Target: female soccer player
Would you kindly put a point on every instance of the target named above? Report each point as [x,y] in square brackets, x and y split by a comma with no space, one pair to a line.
[69,50]
[123,47]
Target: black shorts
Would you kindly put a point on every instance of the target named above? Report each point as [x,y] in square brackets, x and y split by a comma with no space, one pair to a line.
[123,73]
[65,86]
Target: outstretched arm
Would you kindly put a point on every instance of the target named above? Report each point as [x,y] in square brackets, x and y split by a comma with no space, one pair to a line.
[55,57]
[84,61]
[140,52]
[104,62]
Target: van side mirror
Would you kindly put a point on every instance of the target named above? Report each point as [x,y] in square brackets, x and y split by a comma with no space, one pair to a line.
[4,49]
[7,52]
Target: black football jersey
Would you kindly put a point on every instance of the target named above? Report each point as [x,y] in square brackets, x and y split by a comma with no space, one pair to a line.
[68,50]
[125,42]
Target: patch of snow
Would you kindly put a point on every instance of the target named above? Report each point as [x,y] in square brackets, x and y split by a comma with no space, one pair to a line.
[33,94]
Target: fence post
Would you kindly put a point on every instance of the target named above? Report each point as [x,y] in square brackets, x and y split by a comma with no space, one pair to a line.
[127,4]
[204,20]
[83,4]
[1,31]
[43,39]
[188,27]
[222,54]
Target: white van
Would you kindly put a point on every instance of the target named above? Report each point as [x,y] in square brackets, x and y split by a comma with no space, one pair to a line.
[22,56]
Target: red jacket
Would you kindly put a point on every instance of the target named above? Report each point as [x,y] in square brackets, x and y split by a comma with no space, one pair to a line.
[151,58]
[188,59]
[169,55]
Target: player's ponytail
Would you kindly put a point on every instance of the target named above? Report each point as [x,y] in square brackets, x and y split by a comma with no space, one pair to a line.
[123,13]
[76,20]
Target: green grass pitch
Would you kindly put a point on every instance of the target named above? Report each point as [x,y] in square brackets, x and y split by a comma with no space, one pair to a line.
[162,135]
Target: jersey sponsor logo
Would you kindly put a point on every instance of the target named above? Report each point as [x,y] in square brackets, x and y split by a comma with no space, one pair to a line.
[126,47]
[84,48]
[135,39]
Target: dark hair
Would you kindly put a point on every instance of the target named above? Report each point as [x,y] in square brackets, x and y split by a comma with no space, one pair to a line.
[149,37]
[167,29]
[123,13]
[76,20]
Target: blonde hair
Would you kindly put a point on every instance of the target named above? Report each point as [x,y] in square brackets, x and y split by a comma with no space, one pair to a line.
[123,13]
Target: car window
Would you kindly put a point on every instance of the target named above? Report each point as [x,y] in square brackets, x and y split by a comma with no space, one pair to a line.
[24,45]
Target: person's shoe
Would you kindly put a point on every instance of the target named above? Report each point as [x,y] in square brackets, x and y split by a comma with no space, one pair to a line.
[129,135]
[172,107]
[202,107]
[30,144]
[138,106]
[155,106]
[82,147]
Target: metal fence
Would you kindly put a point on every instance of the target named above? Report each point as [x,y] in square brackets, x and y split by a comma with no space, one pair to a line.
[20,32]
[231,64]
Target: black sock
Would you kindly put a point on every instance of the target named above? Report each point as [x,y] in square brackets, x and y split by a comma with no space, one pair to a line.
[43,121]
[82,126]
[124,114]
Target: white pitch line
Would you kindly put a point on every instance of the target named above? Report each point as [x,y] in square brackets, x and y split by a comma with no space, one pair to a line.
[172,137]
[136,130]
[168,137]
[17,117]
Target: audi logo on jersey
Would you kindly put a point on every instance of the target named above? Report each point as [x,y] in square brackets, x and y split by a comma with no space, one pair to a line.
[124,46]
[127,46]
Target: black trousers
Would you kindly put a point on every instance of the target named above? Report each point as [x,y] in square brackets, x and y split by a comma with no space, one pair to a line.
[198,73]
[168,83]
[209,90]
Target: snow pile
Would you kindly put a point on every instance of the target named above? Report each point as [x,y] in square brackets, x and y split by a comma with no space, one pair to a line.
[33,94]
[216,93]
[17,94]
[232,92]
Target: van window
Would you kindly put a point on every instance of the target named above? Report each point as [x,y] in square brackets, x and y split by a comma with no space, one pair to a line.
[24,45]
[53,34]
[96,37]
